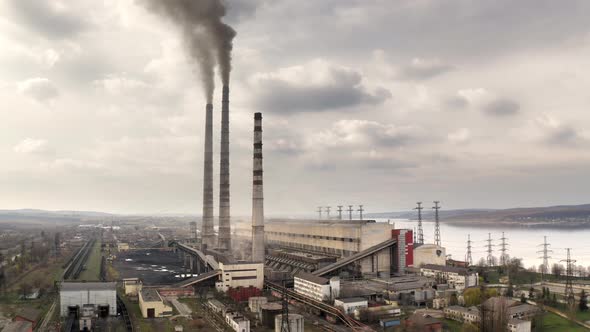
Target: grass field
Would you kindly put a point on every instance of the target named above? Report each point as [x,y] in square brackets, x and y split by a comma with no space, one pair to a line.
[554,323]
[92,272]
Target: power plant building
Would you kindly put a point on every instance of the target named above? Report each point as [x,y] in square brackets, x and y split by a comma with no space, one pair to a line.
[74,296]
[241,274]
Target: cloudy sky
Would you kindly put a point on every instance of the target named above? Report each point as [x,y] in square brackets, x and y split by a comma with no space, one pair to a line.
[381,102]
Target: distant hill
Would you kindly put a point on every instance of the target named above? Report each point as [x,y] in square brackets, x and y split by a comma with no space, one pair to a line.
[551,216]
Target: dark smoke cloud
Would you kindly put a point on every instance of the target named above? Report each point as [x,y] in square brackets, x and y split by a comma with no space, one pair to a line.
[208,39]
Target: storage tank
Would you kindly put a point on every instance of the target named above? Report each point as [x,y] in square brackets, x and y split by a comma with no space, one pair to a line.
[255,302]
[268,311]
[295,322]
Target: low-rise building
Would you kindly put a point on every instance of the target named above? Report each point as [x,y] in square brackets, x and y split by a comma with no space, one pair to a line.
[242,274]
[518,325]
[317,288]
[152,305]
[216,306]
[30,315]
[349,305]
[238,322]
[132,286]
[456,277]
[462,314]
[423,323]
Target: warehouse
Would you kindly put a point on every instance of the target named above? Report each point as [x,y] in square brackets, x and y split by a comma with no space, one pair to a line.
[152,305]
[102,295]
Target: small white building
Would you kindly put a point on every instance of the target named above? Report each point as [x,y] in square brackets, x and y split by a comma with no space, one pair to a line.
[517,325]
[296,323]
[242,274]
[349,305]
[238,322]
[317,288]
[74,296]
[456,277]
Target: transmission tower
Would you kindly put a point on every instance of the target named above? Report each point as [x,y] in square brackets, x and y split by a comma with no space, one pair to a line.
[360,210]
[545,251]
[339,212]
[436,224]
[328,212]
[414,233]
[468,258]
[503,249]
[420,230]
[490,258]
[350,212]
[569,289]
[285,326]
[320,211]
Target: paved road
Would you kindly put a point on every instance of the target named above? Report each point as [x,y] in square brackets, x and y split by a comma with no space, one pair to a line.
[182,308]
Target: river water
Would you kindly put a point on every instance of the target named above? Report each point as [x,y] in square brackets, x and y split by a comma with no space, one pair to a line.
[521,242]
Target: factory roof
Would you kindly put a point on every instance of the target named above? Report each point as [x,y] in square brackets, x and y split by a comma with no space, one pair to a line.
[312,278]
[83,286]
[30,314]
[150,295]
[352,300]
[18,326]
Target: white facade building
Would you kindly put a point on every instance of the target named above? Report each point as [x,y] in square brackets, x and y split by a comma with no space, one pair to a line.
[457,277]
[74,296]
[238,322]
[349,305]
[517,325]
[317,288]
[243,274]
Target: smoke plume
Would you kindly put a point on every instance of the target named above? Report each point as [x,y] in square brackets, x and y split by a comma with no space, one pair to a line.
[209,41]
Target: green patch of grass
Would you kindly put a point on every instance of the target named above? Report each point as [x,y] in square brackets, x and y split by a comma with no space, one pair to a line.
[554,323]
[452,326]
[92,271]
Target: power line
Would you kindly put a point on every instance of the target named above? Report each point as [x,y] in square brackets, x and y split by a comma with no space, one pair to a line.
[468,258]
[503,256]
[569,272]
[339,212]
[350,212]
[360,210]
[328,212]
[420,230]
[546,251]
[437,240]
[320,211]
[490,258]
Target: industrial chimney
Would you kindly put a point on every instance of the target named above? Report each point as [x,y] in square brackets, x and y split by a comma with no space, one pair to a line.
[224,241]
[257,194]
[207,232]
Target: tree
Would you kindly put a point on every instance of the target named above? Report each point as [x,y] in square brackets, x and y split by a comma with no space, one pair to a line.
[554,300]
[583,301]
[510,290]
[522,298]
[454,300]
[532,293]
[556,269]
[472,296]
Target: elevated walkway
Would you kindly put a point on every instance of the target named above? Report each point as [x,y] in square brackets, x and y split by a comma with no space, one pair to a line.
[197,279]
[358,256]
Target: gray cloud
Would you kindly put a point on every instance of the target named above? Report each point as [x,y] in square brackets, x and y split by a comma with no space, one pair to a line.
[48,18]
[316,86]
[501,107]
[40,89]
[421,69]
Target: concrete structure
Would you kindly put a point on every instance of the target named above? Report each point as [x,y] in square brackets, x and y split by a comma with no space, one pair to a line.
[462,314]
[257,194]
[224,242]
[132,286]
[122,246]
[295,323]
[404,256]
[152,305]
[268,312]
[317,288]
[517,325]
[255,302]
[514,309]
[86,316]
[242,274]
[30,315]
[18,326]
[349,305]
[238,322]
[216,306]
[102,295]
[457,277]
[207,232]
[335,238]
[429,254]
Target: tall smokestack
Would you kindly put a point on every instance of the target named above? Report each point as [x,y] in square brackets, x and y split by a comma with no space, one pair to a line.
[207,232]
[224,207]
[257,194]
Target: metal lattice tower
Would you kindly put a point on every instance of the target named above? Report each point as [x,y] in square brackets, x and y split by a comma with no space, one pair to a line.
[360,210]
[339,212]
[328,212]
[490,258]
[545,251]
[420,229]
[503,249]
[285,326]
[437,240]
[319,211]
[569,289]
[350,212]
[414,232]
[468,258]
